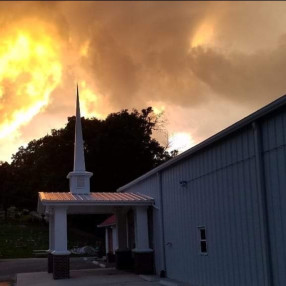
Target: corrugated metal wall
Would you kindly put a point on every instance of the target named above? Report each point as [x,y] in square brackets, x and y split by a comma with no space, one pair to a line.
[222,194]
[274,146]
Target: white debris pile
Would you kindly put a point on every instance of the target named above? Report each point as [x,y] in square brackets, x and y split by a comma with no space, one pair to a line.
[85,250]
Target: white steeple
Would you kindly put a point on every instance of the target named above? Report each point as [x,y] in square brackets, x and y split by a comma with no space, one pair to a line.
[79,163]
[79,178]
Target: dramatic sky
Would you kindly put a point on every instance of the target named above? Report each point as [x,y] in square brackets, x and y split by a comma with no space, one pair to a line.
[204,65]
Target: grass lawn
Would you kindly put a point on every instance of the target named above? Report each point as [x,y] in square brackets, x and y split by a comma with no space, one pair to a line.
[18,239]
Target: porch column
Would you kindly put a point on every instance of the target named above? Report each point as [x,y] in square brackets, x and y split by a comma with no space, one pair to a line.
[106,241]
[109,244]
[114,237]
[51,241]
[122,254]
[60,253]
[143,255]
[121,229]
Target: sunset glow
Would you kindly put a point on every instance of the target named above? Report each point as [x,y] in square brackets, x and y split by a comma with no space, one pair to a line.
[89,102]
[84,49]
[181,141]
[203,35]
[158,109]
[30,69]
[201,66]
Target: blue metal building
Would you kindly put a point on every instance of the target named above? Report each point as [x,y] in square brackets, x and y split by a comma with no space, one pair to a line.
[220,208]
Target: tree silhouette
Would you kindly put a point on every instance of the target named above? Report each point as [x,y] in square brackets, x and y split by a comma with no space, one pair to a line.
[117,150]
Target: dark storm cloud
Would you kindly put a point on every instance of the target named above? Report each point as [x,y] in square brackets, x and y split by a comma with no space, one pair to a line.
[140,51]
[240,77]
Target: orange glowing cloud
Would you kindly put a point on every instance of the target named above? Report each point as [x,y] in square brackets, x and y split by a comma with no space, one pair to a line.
[181,141]
[204,34]
[30,69]
[191,61]
[90,102]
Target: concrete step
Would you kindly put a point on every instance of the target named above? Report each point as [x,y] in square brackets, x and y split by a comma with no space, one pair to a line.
[171,282]
[166,282]
[149,278]
[99,263]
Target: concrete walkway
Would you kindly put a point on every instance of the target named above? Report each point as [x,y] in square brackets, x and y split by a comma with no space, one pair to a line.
[91,277]
[23,265]
[10,267]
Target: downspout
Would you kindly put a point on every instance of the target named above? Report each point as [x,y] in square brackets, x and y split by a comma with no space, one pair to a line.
[263,206]
[163,257]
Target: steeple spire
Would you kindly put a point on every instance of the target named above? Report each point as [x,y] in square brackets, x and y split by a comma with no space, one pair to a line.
[79,178]
[79,162]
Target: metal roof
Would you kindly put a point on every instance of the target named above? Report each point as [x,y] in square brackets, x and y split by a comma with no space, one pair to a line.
[264,111]
[95,198]
[108,222]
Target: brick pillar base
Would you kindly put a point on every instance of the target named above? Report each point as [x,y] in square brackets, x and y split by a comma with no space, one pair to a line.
[50,263]
[144,262]
[61,266]
[123,259]
[110,257]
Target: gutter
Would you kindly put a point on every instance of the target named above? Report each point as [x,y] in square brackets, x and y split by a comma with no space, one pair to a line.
[263,205]
[103,204]
[163,257]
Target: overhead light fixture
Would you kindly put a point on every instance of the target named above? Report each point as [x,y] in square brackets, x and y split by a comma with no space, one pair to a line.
[183,184]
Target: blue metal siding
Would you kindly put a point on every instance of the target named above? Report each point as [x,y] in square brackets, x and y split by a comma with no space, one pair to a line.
[222,196]
[274,147]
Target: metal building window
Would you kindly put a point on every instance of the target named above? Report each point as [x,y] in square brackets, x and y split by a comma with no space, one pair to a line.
[203,240]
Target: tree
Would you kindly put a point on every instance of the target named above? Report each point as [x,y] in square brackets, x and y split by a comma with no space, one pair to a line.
[6,187]
[117,150]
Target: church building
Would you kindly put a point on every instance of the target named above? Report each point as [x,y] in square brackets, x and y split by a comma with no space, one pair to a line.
[213,215]
[79,200]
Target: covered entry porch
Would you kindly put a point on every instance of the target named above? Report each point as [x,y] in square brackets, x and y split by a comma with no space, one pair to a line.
[58,205]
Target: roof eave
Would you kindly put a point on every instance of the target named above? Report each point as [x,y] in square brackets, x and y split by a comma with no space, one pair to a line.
[40,207]
[97,203]
[106,225]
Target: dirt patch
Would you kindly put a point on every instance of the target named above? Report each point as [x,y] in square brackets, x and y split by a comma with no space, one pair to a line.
[6,283]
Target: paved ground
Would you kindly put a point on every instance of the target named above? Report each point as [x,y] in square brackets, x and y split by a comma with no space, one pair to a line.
[10,267]
[92,277]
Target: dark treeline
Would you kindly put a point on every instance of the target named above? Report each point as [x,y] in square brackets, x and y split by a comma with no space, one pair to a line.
[117,150]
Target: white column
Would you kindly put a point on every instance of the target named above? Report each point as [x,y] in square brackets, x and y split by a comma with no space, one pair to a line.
[114,237]
[60,231]
[141,230]
[51,231]
[106,240]
[121,228]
